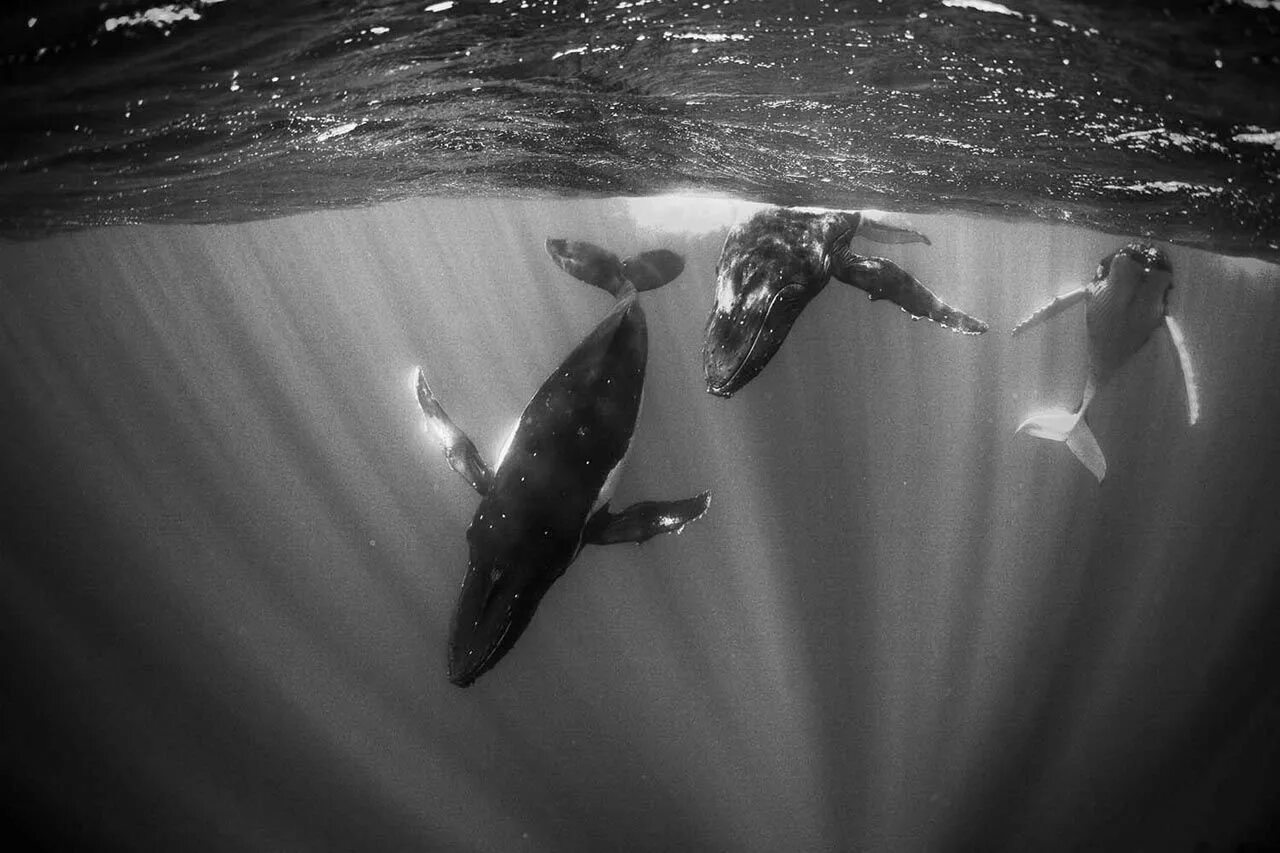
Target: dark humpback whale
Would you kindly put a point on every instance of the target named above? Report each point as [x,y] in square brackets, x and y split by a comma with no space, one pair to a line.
[772,265]
[549,494]
[1125,303]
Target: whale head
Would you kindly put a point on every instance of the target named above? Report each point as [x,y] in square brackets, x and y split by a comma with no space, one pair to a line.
[1137,264]
[499,595]
[758,297]
[1143,274]
[1128,301]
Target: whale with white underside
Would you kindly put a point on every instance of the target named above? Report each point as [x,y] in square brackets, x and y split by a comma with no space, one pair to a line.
[1127,301]
[548,496]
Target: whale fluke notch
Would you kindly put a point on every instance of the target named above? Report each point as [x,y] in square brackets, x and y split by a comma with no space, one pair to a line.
[651,270]
[458,448]
[883,279]
[1051,309]
[601,268]
[642,521]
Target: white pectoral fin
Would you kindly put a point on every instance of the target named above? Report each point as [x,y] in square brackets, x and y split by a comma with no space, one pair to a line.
[1071,429]
[1054,307]
[878,228]
[1188,372]
[458,448]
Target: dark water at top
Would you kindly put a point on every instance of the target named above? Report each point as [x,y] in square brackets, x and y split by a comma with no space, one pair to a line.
[1131,118]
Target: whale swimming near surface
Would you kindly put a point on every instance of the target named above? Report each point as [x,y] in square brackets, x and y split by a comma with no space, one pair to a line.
[548,495]
[1125,303]
[773,264]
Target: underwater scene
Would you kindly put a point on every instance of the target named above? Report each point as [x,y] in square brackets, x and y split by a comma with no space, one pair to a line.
[554,425]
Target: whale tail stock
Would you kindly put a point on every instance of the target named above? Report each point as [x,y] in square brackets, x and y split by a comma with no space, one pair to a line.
[603,269]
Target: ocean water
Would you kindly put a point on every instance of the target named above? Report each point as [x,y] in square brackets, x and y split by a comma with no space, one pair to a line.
[1134,118]
[230,550]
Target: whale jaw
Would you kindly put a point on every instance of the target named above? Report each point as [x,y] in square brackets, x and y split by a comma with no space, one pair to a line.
[494,608]
[739,342]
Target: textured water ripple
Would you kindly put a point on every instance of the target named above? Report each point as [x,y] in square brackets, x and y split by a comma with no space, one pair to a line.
[222,111]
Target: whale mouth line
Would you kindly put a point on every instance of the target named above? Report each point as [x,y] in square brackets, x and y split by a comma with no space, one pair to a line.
[719,389]
[471,673]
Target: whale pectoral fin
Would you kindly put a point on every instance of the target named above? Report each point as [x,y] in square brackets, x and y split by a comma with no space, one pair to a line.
[876,229]
[1055,306]
[458,448]
[588,262]
[644,520]
[1188,373]
[650,270]
[883,279]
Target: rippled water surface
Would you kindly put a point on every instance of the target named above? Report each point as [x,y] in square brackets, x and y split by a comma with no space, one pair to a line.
[1134,118]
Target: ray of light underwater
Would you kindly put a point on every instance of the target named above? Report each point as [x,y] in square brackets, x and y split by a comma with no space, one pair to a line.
[230,552]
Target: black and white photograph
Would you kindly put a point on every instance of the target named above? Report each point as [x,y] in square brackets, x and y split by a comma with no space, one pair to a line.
[647,425]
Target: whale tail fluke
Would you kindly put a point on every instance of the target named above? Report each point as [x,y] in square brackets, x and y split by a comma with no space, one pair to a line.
[1072,429]
[651,270]
[602,268]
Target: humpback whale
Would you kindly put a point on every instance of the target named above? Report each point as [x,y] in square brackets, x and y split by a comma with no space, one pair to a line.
[548,495]
[772,265]
[1125,303]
